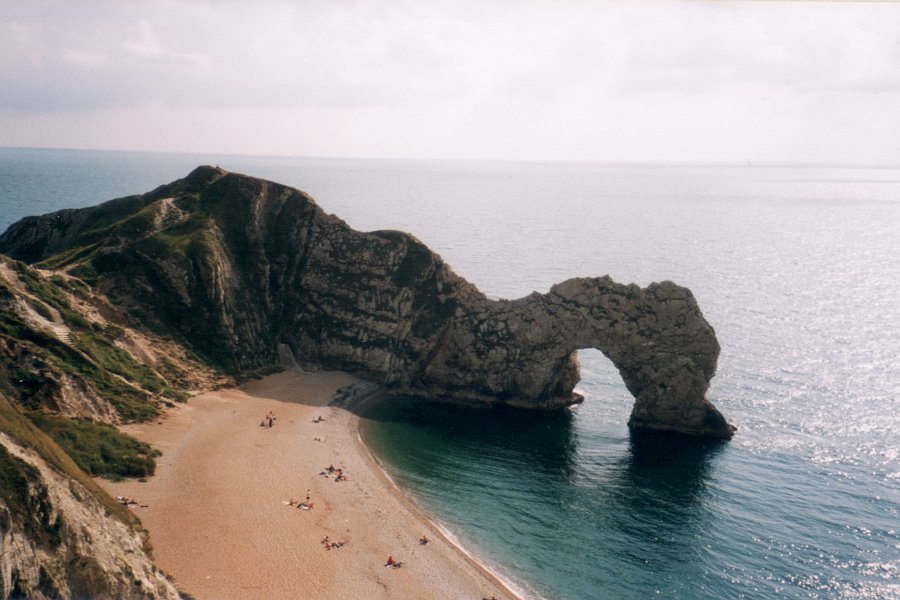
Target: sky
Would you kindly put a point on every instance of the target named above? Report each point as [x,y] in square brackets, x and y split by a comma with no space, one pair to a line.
[676,82]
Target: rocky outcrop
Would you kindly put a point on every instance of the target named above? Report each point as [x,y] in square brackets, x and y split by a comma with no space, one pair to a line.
[70,368]
[235,266]
[524,351]
[65,350]
[58,538]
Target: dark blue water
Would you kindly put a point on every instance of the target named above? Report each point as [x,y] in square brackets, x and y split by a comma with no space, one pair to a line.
[798,269]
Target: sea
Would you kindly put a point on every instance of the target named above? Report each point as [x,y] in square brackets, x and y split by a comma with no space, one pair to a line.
[796,267]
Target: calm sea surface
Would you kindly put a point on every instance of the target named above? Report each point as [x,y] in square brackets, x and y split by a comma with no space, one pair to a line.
[798,270]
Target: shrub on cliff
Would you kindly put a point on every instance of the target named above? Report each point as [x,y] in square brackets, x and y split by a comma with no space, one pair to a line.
[99,449]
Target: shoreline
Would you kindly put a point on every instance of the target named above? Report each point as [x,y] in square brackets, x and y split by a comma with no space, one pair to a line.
[450,538]
[219,509]
[366,405]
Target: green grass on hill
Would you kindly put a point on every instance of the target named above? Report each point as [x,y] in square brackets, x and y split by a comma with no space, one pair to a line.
[131,403]
[130,386]
[100,450]
[15,424]
[99,346]
[50,293]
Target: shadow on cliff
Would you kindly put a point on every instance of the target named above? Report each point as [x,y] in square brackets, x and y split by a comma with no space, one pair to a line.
[295,386]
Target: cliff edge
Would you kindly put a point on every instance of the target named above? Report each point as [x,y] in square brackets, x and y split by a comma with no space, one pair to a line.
[61,536]
[238,267]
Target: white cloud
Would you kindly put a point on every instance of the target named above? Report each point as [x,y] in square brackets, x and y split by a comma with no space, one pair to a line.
[536,80]
[84,58]
[144,42]
[20,44]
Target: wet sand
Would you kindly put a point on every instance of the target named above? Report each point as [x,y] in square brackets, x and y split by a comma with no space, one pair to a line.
[217,507]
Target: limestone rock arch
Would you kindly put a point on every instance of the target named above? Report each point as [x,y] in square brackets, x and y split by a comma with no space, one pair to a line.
[524,352]
[239,267]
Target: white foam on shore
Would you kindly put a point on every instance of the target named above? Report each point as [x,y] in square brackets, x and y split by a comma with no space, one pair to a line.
[515,588]
[510,585]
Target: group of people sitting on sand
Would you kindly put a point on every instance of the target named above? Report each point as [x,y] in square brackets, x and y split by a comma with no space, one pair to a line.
[338,473]
[318,419]
[305,505]
[129,502]
[268,420]
[329,544]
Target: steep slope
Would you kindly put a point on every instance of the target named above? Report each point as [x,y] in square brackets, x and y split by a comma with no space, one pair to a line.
[66,350]
[70,369]
[61,536]
[235,266]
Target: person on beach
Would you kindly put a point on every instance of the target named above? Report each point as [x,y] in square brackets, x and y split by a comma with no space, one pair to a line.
[390,562]
[423,540]
[326,541]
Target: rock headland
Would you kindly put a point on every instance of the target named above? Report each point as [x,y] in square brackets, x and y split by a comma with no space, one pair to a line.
[238,267]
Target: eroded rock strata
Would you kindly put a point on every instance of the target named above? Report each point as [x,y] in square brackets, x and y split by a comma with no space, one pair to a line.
[235,266]
[61,537]
[71,369]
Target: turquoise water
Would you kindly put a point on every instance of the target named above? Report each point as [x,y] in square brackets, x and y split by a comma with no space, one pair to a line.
[797,268]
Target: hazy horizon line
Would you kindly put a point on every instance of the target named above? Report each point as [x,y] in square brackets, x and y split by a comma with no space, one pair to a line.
[546,162]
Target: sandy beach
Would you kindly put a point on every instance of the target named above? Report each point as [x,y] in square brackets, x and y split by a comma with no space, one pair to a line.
[219,515]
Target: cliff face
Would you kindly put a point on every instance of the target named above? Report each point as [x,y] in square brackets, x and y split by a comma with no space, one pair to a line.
[70,368]
[66,351]
[236,266]
[58,538]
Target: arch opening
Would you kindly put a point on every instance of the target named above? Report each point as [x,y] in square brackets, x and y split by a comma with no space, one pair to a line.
[601,384]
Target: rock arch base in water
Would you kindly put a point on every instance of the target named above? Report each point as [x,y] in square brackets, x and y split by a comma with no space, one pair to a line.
[524,352]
